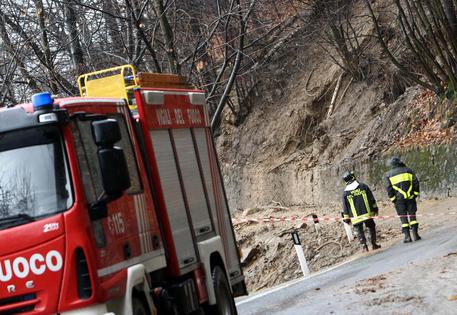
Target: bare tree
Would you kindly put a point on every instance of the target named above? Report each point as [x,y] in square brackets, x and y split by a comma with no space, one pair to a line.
[342,33]
[212,42]
[429,29]
[76,51]
[242,18]
[168,36]
[47,61]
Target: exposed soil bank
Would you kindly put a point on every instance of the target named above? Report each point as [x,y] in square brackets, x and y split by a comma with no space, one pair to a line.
[414,278]
[268,254]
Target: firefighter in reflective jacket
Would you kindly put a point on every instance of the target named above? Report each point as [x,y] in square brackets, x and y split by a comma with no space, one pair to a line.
[403,189]
[359,205]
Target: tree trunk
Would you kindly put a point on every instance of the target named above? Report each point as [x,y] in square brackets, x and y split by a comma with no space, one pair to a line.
[112,26]
[45,44]
[407,74]
[141,34]
[236,66]
[16,56]
[167,36]
[449,9]
[76,52]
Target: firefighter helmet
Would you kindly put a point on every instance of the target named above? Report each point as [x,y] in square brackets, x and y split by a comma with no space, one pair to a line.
[395,161]
[349,177]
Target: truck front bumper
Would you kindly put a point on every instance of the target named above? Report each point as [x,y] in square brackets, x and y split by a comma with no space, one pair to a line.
[98,309]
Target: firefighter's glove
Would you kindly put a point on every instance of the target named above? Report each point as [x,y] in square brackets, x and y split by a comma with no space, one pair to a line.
[348,221]
[375,212]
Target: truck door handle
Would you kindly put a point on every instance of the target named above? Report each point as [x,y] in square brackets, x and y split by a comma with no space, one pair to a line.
[204,229]
[188,260]
[127,251]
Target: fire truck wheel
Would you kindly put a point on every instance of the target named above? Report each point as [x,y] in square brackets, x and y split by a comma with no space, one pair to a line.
[139,307]
[225,305]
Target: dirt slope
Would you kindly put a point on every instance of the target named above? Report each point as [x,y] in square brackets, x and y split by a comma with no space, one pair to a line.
[269,256]
[292,149]
[414,278]
[291,136]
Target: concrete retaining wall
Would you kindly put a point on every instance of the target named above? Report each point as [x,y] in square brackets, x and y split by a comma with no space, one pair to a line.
[251,186]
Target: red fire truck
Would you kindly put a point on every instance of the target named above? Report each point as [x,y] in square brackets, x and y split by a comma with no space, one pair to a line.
[113,202]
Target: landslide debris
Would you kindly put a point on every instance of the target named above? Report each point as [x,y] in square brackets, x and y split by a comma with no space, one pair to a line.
[293,146]
[293,133]
[268,254]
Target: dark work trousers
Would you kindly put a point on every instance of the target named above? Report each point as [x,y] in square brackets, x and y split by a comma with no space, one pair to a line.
[404,208]
[361,233]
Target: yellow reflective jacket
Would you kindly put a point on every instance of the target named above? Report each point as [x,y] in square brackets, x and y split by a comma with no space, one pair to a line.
[359,203]
[402,184]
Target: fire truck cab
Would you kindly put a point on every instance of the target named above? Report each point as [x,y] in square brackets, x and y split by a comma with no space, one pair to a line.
[113,202]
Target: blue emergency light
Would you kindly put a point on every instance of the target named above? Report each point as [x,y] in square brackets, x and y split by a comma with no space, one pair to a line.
[42,101]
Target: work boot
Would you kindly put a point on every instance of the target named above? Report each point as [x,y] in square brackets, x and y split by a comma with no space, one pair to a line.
[364,248]
[407,235]
[375,246]
[414,229]
[372,231]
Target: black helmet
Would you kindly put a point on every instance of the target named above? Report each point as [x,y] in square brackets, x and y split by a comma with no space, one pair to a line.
[395,161]
[349,177]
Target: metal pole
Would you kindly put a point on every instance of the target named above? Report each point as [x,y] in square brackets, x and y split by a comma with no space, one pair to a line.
[300,254]
[317,225]
[348,229]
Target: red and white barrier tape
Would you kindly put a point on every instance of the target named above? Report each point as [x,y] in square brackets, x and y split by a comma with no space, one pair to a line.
[328,219]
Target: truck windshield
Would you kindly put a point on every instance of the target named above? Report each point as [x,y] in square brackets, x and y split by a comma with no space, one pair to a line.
[34,178]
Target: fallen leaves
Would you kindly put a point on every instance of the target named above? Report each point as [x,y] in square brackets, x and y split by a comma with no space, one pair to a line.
[425,131]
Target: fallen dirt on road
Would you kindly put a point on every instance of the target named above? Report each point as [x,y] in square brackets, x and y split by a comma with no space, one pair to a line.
[426,288]
[269,257]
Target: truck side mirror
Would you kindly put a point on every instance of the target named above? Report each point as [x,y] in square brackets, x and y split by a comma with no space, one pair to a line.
[106,132]
[113,165]
[114,171]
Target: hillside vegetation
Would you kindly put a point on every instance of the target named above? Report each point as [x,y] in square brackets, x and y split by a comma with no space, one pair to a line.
[323,104]
[310,117]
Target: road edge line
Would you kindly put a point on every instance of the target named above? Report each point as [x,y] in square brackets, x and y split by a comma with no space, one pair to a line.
[290,283]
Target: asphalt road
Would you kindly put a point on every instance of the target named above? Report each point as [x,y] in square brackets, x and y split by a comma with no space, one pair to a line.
[316,293]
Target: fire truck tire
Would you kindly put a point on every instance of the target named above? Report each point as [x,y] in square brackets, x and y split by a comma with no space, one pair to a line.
[225,304]
[139,306]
